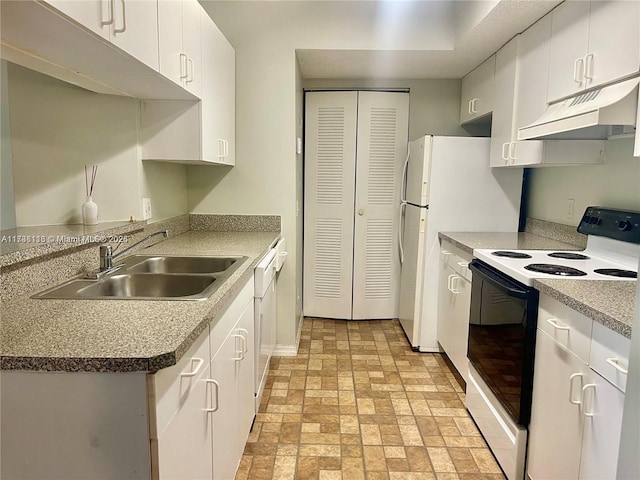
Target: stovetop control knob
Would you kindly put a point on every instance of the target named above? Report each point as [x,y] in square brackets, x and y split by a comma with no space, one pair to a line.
[625,225]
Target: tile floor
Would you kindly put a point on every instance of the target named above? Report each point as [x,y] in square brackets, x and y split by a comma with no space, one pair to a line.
[357,403]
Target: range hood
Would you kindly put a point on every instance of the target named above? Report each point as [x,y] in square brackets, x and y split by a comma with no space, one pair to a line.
[596,114]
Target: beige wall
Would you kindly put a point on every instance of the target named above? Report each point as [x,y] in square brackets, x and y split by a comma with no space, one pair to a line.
[56,129]
[434,105]
[7,205]
[616,184]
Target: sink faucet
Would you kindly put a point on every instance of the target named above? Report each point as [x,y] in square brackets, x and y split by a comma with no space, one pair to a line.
[106,251]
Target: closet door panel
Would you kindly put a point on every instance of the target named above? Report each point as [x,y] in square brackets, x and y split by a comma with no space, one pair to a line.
[383,119]
[330,152]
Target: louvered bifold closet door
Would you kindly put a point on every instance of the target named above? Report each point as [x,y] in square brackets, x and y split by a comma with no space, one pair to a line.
[383,129]
[330,159]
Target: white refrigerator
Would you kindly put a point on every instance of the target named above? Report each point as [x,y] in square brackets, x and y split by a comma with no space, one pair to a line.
[448,187]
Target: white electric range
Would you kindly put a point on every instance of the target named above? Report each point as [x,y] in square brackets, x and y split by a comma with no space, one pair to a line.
[503,322]
[603,259]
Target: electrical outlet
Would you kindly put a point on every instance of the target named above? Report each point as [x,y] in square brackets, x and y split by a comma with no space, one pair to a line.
[146,208]
[570,204]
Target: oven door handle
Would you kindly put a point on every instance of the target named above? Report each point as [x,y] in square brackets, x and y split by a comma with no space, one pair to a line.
[499,280]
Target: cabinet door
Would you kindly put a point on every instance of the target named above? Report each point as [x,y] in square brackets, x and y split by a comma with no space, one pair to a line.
[383,130]
[184,447]
[192,45]
[330,177]
[246,377]
[601,438]
[533,72]
[171,63]
[614,43]
[502,131]
[218,94]
[555,431]
[96,15]
[224,372]
[135,30]
[569,42]
[477,91]
[453,317]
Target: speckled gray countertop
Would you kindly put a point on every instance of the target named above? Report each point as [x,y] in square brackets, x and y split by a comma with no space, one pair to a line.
[124,335]
[467,241]
[609,302]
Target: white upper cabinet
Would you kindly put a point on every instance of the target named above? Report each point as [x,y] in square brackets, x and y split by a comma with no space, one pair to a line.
[96,15]
[614,41]
[135,29]
[592,43]
[218,95]
[180,42]
[477,92]
[203,132]
[106,46]
[502,131]
[520,89]
[132,25]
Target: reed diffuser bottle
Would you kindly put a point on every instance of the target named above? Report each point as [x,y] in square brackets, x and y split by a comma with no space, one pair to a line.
[89,207]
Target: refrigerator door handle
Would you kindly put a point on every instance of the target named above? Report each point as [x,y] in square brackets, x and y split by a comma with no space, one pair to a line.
[403,206]
[403,184]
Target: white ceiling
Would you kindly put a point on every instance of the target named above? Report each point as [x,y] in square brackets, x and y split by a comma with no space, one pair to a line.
[422,38]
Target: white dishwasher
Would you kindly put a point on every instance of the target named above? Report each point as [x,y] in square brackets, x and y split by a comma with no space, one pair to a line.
[265,319]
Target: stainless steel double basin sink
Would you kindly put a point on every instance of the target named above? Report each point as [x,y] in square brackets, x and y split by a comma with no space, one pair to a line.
[152,277]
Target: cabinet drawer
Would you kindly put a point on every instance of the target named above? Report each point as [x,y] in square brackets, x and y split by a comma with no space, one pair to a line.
[173,385]
[610,355]
[570,329]
[219,329]
[456,258]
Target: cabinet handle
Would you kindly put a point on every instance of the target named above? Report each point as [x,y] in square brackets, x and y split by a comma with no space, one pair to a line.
[446,252]
[588,66]
[110,19]
[449,278]
[189,70]
[571,400]
[614,362]
[213,382]
[194,372]
[463,264]
[242,349]
[473,105]
[124,19]
[183,66]
[226,149]
[505,151]
[583,406]
[578,70]
[220,148]
[512,151]
[469,107]
[453,284]
[554,323]
[246,336]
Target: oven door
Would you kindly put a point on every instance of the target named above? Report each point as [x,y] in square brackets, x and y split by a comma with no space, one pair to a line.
[502,333]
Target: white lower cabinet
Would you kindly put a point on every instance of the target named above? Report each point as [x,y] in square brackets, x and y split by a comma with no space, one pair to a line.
[454,301]
[232,396]
[576,415]
[603,407]
[555,432]
[213,395]
[184,447]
